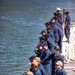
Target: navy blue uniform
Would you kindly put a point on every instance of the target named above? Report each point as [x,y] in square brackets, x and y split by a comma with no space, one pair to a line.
[51,35]
[42,69]
[51,44]
[54,60]
[36,72]
[60,33]
[60,21]
[61,72]
[46,64]
[67,28]
[55,31]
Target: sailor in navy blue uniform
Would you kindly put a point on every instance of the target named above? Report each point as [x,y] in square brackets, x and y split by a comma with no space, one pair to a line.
[60,31]
[55,57]
[34,68]
[55,31]
[47,63]
[50,32]
[60,70]
[67,26]
[40,50]
[31,58]
[50,43]
[40,66]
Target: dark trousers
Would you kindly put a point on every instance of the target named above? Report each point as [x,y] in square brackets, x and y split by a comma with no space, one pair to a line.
[67,33]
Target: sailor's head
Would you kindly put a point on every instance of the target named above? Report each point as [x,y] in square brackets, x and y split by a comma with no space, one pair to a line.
[28,73]
[48,29]
[42,38]
[34,64]
[45,46]
[47,24]
[55,14]
[38,59]
[32,58]
[51,24]
[59,64]
[66,13]
[43,32]
[58,10]
[40,47]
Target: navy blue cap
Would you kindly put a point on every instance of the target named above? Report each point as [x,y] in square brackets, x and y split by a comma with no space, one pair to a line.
[55,14]
[66,12]
[45,45]
[32,57]
[39,45]
[55,17]
[44,31]
[57,48]
[47,23]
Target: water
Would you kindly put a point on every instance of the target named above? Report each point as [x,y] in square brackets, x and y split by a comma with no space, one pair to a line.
[20,24]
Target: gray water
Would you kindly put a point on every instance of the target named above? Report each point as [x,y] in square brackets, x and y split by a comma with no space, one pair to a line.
[20,24]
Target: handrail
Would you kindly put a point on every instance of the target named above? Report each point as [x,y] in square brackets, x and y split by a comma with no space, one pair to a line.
[66,9]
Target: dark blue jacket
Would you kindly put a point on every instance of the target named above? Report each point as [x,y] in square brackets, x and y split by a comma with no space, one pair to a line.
[37,72]
[61,72]
[67,19]
[55,59]
[51,35]
[55,33]
[60,21]
[46,54]
[42,69]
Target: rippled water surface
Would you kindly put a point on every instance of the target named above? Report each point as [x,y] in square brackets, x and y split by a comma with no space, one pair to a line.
[20,24]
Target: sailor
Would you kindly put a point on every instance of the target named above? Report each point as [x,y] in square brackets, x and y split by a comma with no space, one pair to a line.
[58,11]
[46,64]
[60,31]
[28,73]
[51,34]
[40,66]
[67,26]
[34,68]
[58,56]
[50,43]
[60,70]
[55,57]
[55,32]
